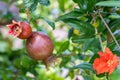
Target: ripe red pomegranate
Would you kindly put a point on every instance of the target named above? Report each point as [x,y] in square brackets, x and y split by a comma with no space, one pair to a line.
[38,45]
[21,30]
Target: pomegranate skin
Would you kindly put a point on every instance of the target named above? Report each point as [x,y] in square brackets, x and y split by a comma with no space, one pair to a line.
[21,30]
[26,30]
[39,46]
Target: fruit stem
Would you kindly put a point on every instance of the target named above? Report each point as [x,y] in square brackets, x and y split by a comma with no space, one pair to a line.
[49,61]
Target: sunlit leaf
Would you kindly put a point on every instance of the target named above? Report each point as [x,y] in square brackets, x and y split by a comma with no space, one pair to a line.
[115,74]
[50,23]
[64,46]
[62,4]
[114,16]
[109,3]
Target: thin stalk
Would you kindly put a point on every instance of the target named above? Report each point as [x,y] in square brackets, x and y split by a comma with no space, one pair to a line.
[28,14]
[100,40]
[106,25]
[107,76]
[66,55]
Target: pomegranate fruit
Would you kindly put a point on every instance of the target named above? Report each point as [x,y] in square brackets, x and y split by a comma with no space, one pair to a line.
[21,30]
[39,46]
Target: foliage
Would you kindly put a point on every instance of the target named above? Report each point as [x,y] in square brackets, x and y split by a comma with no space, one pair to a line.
[76,52]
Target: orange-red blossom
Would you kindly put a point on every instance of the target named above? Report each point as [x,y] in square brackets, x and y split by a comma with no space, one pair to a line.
[106,63]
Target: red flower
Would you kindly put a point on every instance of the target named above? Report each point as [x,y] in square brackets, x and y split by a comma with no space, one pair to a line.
[107,62]
[21,30]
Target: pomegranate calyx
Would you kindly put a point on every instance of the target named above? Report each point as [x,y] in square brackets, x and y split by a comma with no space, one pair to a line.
[15,28]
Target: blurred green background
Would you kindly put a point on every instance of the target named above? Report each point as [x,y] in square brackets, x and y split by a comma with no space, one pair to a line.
[72,26]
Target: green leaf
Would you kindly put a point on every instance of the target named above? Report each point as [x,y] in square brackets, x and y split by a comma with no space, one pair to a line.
[114,16]
[82,4]
[88,77]
[93,57]
[109,3]
[31,4]
[88,43]
[25,61]
[64,61]
[84,27]
[82,39]
[72,14]
[115,24]
[3,46]
[101,28]
[17,63]
[84,65]
[50,23]
[62,4]
[70,32]
[115,74]
[44,2]
[85,5]
[64,46]
[90,5]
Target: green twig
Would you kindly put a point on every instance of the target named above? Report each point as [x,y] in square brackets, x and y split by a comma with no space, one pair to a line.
[28,14]
[100,40]
[66,55]
[106,25]
[107,76]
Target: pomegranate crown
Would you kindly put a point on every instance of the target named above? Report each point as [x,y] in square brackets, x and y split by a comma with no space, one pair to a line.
[15,28]
[21,30]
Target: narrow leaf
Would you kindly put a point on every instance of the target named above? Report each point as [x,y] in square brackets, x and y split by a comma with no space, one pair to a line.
[109,3]
[72,14]
[84,27]
[82,4]
[61,4]
[50,23]
[64,46]
[70,32]
[44,2]
[84,66]
[31,4]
